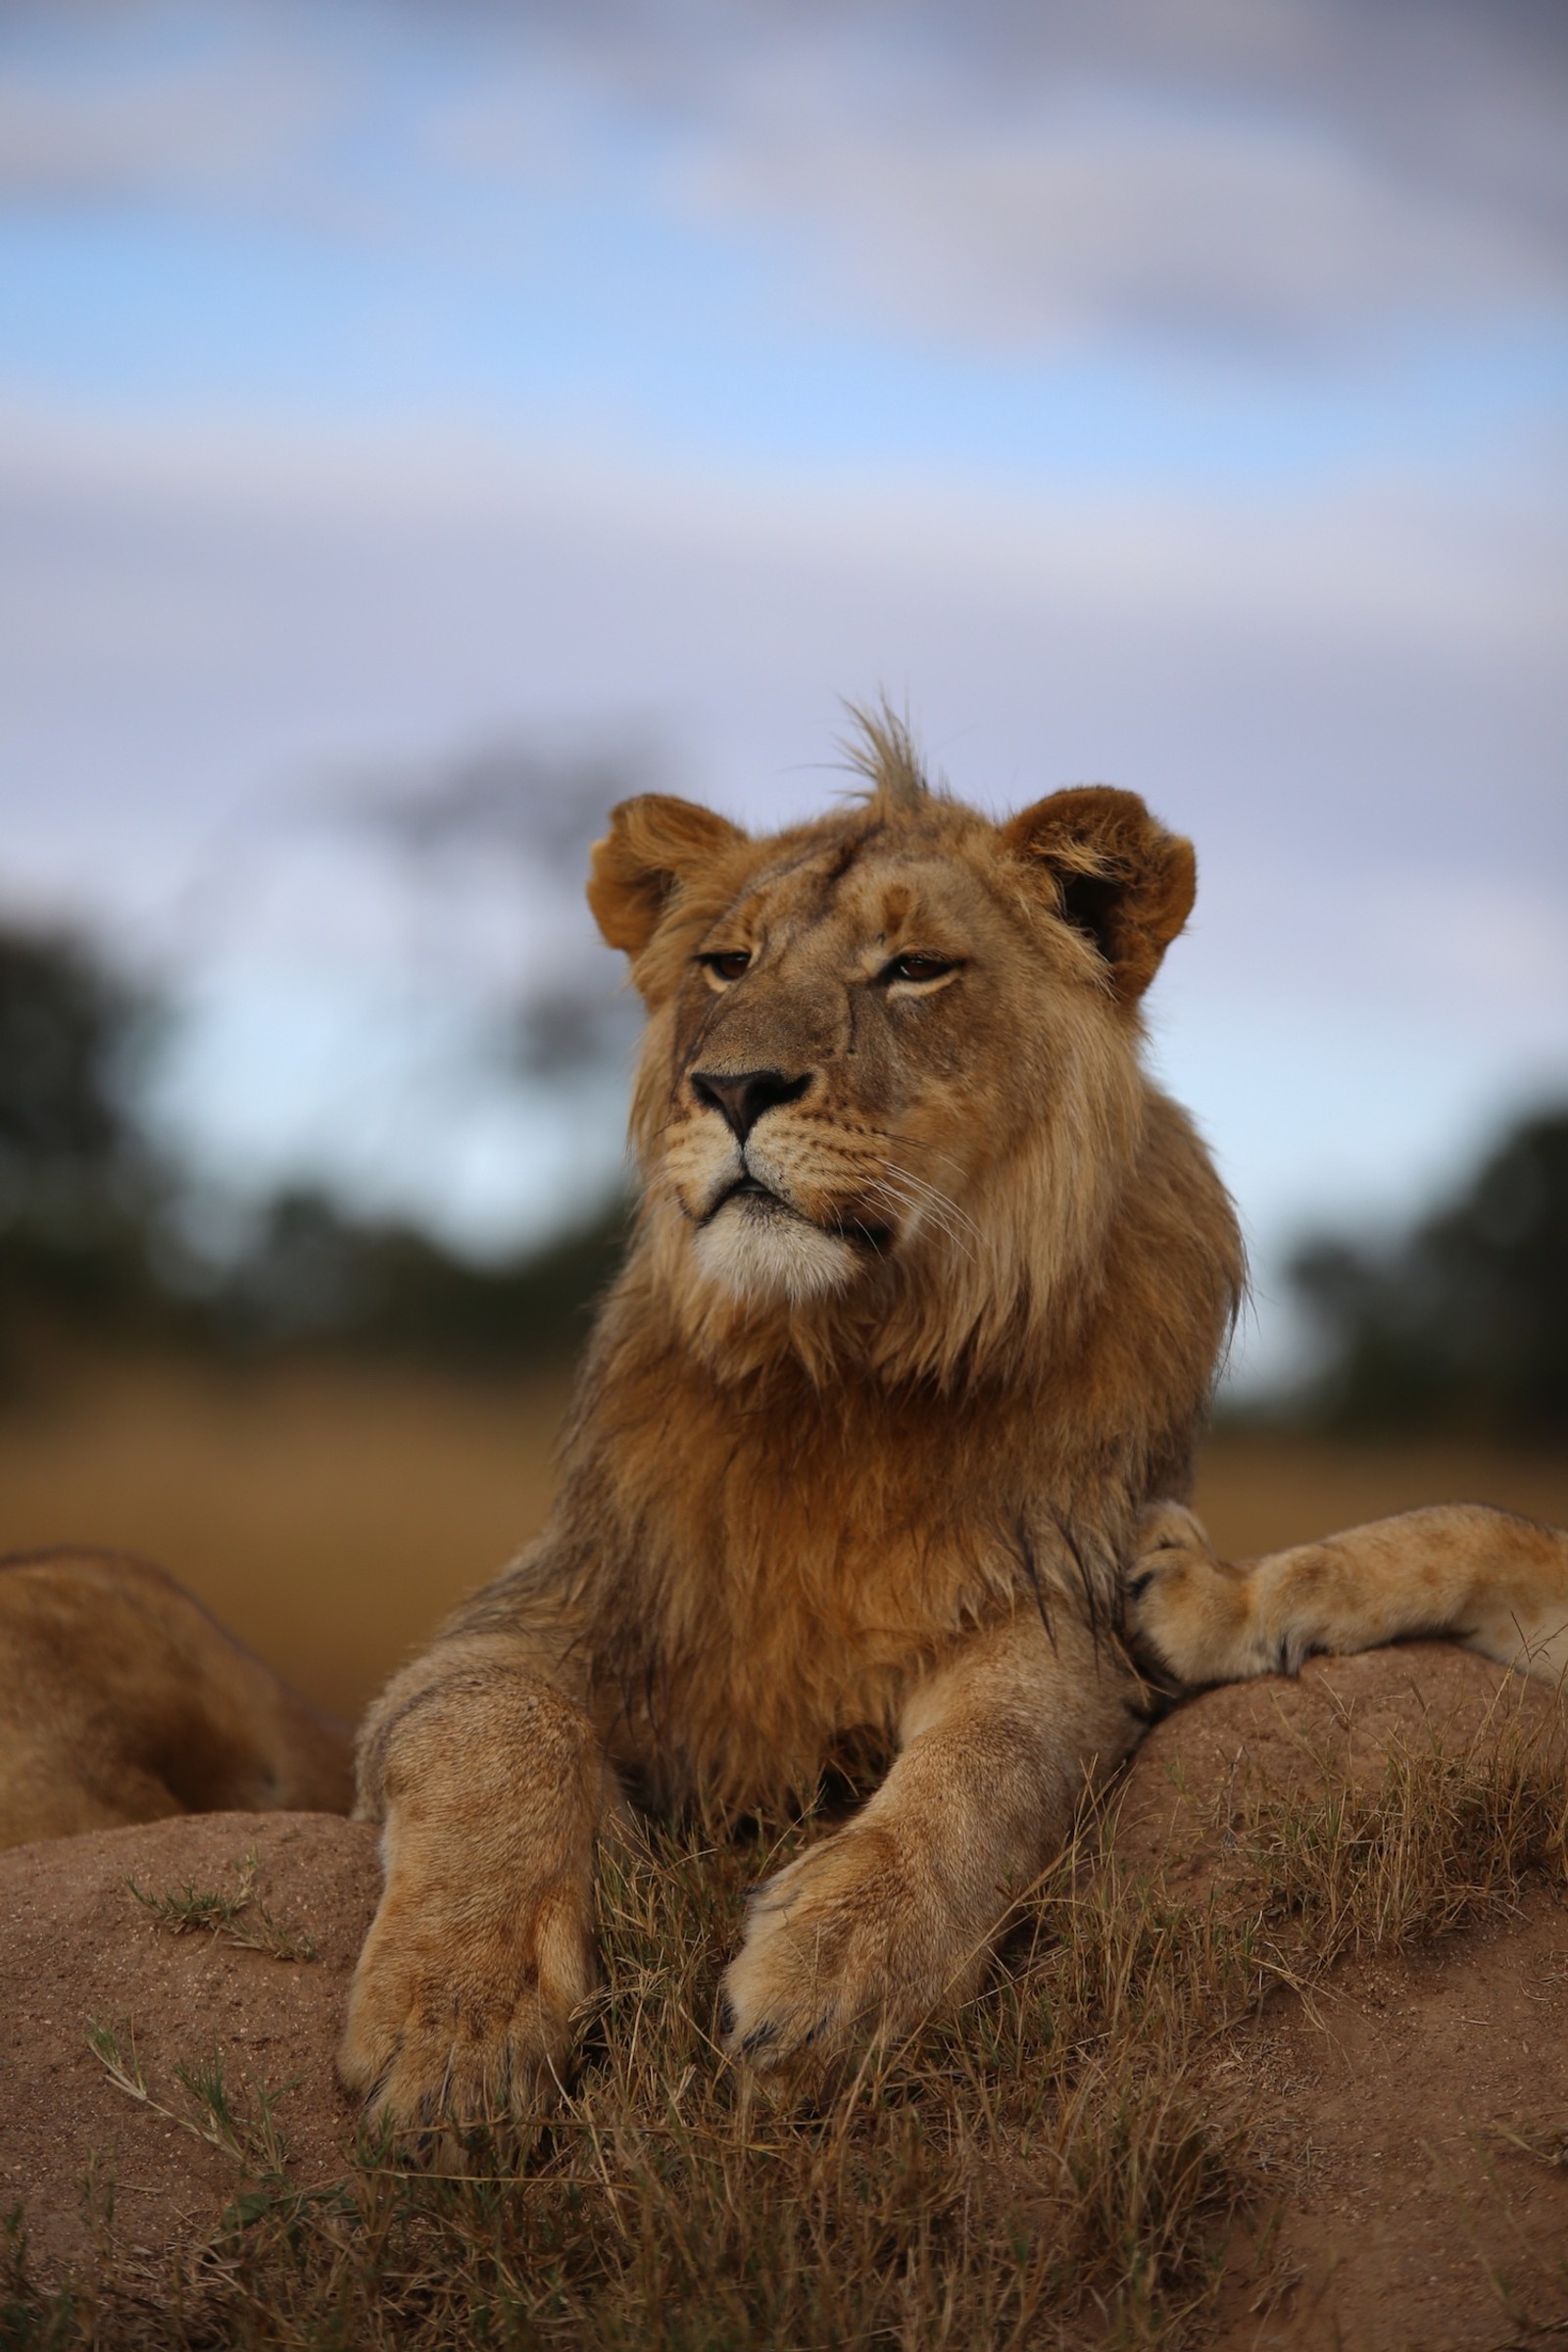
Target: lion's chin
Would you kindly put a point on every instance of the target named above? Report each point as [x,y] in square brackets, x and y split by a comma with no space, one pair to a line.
[762,1250]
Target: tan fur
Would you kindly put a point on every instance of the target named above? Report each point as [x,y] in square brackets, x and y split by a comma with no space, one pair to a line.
[853,1468]
[122,1700]
[1488,1579]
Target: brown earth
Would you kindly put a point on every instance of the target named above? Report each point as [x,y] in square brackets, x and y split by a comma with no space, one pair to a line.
[1208,1759]
[77,1946]
[1395,2098]
[1419,2122]
[1406,2218]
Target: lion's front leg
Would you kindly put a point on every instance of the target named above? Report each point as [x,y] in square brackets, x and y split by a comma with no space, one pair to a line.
[493,1786]
[894,1916]
[1496,1583]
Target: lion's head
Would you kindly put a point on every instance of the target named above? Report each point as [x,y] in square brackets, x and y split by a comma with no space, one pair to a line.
[891,1084]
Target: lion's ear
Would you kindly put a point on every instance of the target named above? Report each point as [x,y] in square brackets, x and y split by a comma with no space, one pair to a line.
[654,845]
[1112,872]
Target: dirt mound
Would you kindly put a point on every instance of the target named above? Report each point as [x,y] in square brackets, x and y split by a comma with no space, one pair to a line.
[1417,2116]
[79,1954]
[1414,2108]
[1198,1771]
[1414,2112]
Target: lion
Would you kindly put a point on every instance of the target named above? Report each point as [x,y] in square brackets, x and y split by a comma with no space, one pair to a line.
[122,1700]
[878,1464]
[879,1459]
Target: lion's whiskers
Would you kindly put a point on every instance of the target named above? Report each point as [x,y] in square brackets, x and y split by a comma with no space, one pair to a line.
[944,1210]
[897,1189]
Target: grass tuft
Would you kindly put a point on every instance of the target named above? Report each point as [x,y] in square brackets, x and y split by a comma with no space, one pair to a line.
[1446,1834]
[237,1916]
[255,2142]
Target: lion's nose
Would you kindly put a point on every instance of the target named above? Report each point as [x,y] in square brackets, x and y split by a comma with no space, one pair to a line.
[740,1097]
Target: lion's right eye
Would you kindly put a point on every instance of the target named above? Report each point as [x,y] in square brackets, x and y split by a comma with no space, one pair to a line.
[728,964]
[918,969]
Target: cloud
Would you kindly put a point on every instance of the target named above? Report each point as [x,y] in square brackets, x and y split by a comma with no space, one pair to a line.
[82,126]
[1418,554]
[1214,172]
[1355,703]
[231,611]
[1220,171]
[1101,216]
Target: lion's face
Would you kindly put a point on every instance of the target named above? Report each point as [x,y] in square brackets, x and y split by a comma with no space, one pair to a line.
[888,1041]
[856,1038]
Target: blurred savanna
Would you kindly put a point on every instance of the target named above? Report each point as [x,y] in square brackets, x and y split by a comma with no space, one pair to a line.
[331,1513]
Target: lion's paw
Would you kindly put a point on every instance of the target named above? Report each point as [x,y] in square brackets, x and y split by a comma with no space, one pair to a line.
[1194,1612]
[452,2027]
[851,1942]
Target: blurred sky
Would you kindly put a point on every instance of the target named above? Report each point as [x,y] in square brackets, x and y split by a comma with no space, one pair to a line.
[1170,394]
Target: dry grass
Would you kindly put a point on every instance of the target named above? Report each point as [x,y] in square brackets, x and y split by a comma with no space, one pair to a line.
[1048,2168]
[1055,2167]
[1448,1835]
[254,2142]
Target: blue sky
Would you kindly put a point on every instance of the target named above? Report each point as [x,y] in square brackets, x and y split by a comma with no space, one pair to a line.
[1171,395]
[417,217]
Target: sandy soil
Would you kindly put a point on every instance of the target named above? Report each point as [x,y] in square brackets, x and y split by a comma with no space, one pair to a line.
[75,1947]
[1406,2216]
[1199,1766]
[1411,2218]
[1403,2221]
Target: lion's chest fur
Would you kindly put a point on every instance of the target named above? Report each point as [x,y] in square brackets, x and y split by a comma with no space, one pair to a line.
[778,1563]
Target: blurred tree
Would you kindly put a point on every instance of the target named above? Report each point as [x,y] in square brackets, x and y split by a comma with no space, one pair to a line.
[77,1179]
[1464,1321]
[516,820]
[91,1229]
[312,1277]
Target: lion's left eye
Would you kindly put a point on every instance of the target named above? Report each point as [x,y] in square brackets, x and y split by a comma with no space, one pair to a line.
[728,964]
[919,967]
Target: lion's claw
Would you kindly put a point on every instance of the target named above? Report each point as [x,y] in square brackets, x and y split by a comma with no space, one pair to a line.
[850,1942]
[449,2029]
